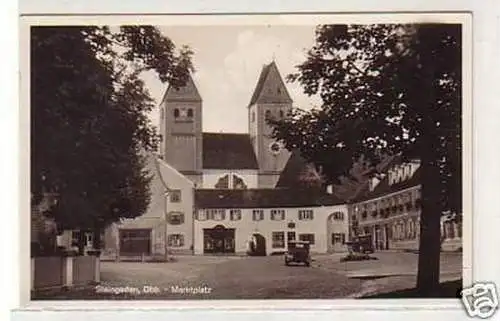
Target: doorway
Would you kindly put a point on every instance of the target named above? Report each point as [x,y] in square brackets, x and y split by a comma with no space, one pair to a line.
[218,240]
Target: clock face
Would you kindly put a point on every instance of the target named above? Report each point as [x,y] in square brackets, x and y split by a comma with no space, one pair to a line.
[275,147]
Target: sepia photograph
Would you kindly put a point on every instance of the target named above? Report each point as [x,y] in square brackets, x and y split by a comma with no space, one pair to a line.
[246,161]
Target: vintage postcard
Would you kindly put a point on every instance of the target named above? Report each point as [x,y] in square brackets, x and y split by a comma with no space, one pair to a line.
[247,157]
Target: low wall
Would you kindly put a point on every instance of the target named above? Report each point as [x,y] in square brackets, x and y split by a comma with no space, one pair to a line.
[64,271]
[448,245]
[84,269]
[452,245]
[48,272]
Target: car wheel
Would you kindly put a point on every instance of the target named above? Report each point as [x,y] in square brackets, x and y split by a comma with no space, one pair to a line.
[287,263]
[308,264]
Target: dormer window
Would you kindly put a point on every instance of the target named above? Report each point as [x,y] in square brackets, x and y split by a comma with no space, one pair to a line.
[279,90]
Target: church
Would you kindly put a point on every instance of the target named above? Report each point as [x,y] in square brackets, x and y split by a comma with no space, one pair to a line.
[220,192]
[226,160]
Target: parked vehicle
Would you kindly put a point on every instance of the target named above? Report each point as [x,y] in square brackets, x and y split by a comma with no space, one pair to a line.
[361,244]
[298,252]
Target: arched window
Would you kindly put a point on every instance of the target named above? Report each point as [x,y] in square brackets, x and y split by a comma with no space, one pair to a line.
[337,216]
[176,112]
[282,114]
[190,113]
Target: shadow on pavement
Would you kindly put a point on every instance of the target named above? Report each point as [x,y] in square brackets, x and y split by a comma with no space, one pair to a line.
[450,289]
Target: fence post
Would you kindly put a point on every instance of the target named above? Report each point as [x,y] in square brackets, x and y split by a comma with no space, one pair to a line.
[32,273]
[68,263]
[97,269]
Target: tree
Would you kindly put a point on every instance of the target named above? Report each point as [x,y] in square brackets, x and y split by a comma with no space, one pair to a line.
[386,90]
[89,119]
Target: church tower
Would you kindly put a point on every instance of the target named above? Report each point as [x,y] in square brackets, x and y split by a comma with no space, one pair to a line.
[181,130]
[269,100]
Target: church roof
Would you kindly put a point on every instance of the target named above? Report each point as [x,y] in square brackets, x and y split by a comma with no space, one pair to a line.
[188,92]
[228,151]
[263,198]
[270,87]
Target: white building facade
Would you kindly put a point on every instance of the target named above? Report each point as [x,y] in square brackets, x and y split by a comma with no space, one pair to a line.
[167,225]
[227,221]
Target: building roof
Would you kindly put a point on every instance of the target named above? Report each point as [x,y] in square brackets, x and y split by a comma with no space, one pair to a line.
[294,169]
[383,188]
[270,87]
[363,188]
[186,93]
[228,151]
[263,198]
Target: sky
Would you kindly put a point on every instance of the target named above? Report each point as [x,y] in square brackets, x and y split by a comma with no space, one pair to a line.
[228,61]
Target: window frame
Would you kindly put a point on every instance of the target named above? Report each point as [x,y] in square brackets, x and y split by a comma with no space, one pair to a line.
[170,239]
[175,196]
[212,212]
[341,236]
[232,214]
[176,213]
[261,215]
[274,212]
[204,213]
[280,243]
[301,238]
[303,217]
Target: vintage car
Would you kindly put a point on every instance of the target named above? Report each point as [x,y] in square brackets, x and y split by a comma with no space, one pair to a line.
[298,252]
[361,244]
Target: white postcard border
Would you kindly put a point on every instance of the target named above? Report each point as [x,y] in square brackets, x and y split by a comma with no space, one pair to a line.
[484,182]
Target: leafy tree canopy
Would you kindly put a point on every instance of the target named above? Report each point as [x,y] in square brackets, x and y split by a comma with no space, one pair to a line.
[89,118]
[373,81]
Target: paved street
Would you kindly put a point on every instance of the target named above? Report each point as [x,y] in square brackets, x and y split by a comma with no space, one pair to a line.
[219,277]
[231,278]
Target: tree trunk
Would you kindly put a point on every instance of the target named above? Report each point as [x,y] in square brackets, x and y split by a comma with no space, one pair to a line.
[81,243]
[432,207]
[430,231]
[97,239]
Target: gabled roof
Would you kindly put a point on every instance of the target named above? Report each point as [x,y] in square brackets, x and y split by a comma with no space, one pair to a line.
[188,92]
[383,188]
[364,188]
[263,198]
[270,87]
[228,151]
[291,174]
